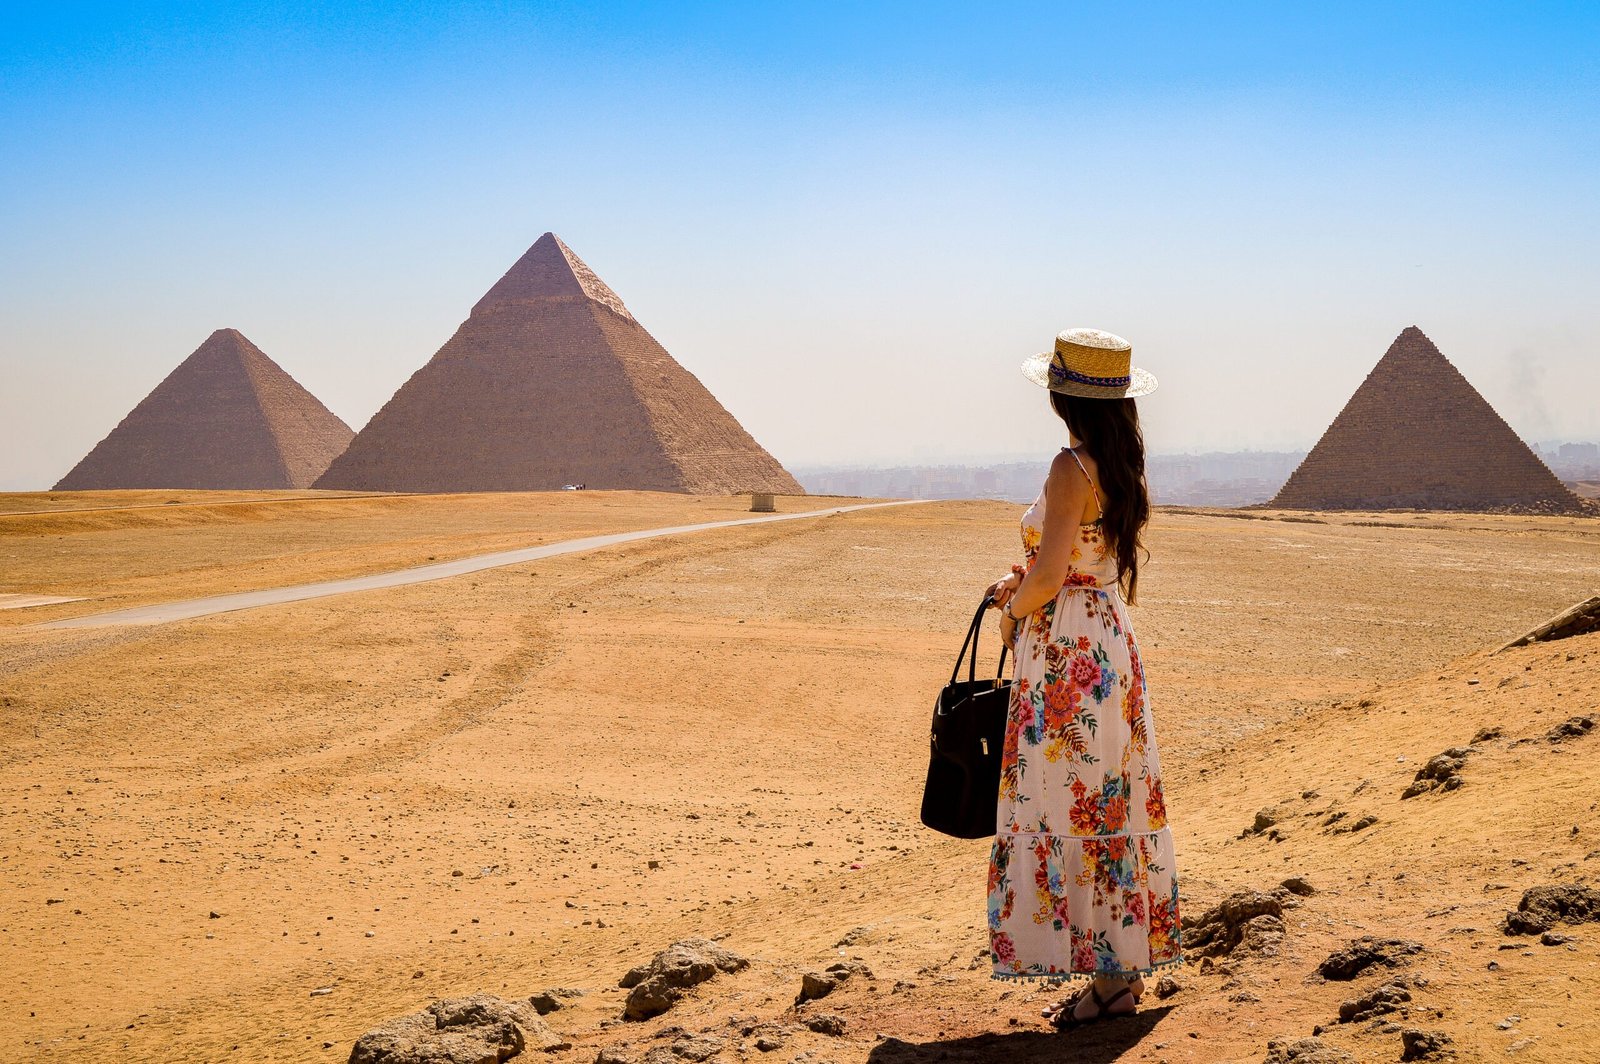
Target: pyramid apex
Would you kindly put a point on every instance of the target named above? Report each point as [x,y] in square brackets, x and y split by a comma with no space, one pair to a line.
[550,270]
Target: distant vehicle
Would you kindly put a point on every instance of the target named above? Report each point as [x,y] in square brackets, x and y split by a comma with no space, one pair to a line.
[572,487]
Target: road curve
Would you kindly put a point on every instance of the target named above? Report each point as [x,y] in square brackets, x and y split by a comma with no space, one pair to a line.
[163,613]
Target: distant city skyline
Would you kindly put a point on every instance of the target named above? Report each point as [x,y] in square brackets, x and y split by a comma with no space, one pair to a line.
[850,222]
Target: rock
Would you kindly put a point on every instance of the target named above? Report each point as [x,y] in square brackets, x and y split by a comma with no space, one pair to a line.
[1298,885]
[633,976]
[771,1036]
[1265,818]
[1543,907]
[1365,952]
[613,1055]
[1220,930]
[696,1047]
[471,1030]
[1417,1044]
[1442,770]
[1376,1002]
[826,1023]
[1306,1051]
[681,965]
[1483,735]
[548,1001]
[814,985]
[1554,938]
[1166,986]
[1571,728]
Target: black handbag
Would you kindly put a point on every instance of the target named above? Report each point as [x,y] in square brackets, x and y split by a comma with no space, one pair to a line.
[969,729]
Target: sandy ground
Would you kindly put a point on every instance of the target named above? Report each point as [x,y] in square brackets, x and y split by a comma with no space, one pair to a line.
[462,786]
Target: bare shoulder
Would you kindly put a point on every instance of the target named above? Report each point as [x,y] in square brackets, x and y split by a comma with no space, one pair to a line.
[1067,466]
[1066,476]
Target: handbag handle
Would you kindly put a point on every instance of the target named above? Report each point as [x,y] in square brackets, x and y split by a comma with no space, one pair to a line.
[973,632]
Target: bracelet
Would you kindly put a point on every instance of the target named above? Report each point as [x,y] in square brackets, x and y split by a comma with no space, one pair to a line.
[1011,616]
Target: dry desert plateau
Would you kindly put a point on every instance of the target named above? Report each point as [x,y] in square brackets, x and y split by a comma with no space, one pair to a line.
[255,836]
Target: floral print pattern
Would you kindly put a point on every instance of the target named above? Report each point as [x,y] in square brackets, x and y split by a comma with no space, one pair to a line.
[1081,873]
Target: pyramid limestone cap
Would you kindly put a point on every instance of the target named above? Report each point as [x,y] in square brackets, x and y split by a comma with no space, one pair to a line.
[550,270]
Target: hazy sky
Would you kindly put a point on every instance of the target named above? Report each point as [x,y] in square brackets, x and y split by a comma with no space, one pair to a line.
[850,221]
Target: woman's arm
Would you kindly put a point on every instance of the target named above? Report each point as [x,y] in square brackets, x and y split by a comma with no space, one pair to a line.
[1066,494]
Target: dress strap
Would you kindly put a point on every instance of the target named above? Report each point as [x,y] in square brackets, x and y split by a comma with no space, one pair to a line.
[1098,504]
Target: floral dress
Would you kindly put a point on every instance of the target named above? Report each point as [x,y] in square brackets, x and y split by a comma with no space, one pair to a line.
[1081,874]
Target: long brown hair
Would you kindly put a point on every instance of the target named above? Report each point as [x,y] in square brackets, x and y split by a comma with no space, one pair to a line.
[1109,429]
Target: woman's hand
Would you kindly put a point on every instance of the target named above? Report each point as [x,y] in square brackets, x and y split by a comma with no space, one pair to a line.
[1001,590]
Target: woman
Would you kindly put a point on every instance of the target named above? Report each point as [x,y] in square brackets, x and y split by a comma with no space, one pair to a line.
[1081,875]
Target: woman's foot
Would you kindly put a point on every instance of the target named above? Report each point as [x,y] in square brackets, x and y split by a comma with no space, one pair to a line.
[1074,999]
[1100,1000]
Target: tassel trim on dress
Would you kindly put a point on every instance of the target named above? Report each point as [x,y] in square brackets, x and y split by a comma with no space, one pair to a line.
[1062,977]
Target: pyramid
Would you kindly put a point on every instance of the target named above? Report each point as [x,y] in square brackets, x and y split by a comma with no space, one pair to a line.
[228,417]
[1417,435]
[552,382]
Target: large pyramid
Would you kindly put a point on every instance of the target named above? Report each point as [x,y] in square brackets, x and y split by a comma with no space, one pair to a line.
[1417,435]
[228,417]
[552,382]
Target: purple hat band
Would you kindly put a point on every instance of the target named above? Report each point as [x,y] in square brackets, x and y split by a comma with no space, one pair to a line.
[1060,374]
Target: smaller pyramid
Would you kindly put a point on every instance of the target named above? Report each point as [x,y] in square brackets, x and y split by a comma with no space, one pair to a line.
[227,418]
[1417,435]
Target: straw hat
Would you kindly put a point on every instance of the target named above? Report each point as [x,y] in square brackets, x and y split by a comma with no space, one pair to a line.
[1090,363]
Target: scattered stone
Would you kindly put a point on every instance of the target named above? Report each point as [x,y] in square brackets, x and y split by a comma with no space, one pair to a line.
[1508,1023]
[1365,952]
[1424,1045]
[1554,938]
[1248,920]
[613,1055]
[1243,997]
[662,982]
[1483,735]
[1340,822]
[1571,728]
[1376,1002]
[1306,1051]
[1166,986]
[1443,770]
[770,1041]
[1543,907]
[1298,885]
[826,1023]
[467,1030]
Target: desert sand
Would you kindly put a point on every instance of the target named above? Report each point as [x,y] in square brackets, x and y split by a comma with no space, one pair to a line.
[255,836]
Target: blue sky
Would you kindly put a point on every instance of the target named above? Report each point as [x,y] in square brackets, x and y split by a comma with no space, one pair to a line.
[851,221]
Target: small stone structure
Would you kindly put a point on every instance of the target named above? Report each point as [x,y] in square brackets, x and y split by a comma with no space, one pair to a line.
[552,382]
[762,502]
[227,418]
[1417,435]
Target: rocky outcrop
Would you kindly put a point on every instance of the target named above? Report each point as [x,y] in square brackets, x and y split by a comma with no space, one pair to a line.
[1249,920]
[657,986]
[1443,771]
[1306,1051]
[1541,908]
[481,1029]
[1367,952]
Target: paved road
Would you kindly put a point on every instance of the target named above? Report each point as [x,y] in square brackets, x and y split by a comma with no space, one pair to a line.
[162,613]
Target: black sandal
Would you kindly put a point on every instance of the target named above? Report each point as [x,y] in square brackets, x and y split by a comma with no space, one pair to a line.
[1070,1002]
[1066,1020]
